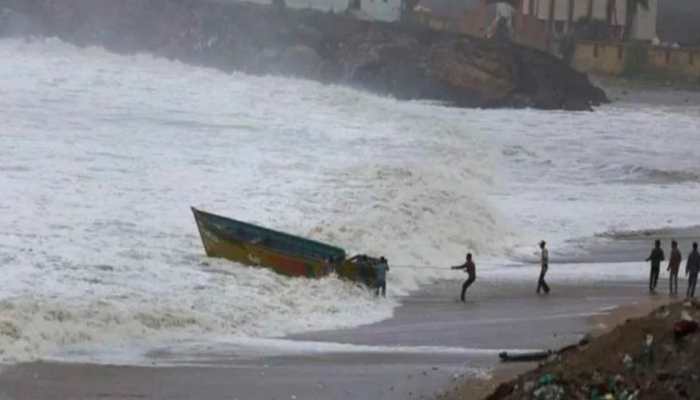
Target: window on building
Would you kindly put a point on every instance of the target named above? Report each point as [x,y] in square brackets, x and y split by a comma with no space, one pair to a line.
[595,50]
[620,51]
[691,58]
[668,56]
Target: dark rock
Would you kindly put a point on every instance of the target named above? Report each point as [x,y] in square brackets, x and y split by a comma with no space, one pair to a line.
[663,376]
[302,61]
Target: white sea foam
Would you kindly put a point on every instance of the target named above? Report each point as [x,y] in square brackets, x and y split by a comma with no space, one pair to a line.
[101,156]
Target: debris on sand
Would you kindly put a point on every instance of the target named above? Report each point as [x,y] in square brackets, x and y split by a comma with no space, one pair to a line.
[655,357]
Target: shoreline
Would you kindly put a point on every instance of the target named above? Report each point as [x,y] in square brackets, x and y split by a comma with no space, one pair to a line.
[650,355]
[382,360]
[599,325]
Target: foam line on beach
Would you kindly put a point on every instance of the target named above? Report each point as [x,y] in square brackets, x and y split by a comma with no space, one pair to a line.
[233,350]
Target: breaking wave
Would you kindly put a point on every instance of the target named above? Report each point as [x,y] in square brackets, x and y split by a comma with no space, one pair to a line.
[637,174]
[112,150]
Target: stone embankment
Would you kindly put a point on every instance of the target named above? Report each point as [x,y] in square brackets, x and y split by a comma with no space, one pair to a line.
[403,61]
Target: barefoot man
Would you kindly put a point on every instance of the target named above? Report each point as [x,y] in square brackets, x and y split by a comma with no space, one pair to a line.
[692,267]
[674,264]
[656,256]
[544,264]
[470,268]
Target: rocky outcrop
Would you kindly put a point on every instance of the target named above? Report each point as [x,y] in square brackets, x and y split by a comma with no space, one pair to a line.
[404,61]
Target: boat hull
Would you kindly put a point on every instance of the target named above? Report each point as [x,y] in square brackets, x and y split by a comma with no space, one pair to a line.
[252,245]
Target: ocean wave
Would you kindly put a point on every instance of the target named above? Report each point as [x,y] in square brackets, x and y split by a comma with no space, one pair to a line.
[115,256]
[637,174]
[247,302]
[647,234]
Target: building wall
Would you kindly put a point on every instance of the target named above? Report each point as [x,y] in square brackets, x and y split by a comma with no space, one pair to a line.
[644,24]
[378,10]
[679,62]
[600,10]
[435,22]
[382,10]
[336,6]
[530,31]
[610,59]
[542,8]
[580,9]
[646,19]
[475,22]
[599,58]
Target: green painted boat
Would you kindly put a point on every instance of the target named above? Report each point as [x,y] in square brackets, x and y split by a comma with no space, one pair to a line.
[286,254]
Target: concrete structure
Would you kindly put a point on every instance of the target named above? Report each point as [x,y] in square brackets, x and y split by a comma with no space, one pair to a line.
[377,10]
[618,58]
[644,24]
[374,10]
[560,15]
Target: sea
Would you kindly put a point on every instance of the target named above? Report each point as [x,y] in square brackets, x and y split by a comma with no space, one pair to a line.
[102,156]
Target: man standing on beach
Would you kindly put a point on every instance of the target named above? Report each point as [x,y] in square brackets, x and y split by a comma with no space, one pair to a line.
[380,270]
[656,256]
[692,267]
[470,268]
[674,264]
[544,264]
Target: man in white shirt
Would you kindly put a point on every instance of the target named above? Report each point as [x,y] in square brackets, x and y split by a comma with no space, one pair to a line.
[544,262]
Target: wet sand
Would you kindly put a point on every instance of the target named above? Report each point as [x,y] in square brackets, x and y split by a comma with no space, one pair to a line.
[496,317]
[601,324]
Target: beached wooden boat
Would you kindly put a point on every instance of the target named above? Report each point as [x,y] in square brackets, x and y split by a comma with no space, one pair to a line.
[284,253]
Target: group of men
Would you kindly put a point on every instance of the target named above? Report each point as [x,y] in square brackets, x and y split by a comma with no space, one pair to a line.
[470,268]
[692,268]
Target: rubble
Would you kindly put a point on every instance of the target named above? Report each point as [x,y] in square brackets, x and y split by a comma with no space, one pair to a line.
[644,358]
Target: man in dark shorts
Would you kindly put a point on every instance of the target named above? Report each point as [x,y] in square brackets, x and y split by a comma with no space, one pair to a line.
[380,270]
[470,268]
[692,267]
[674,264]
[544,266]
[656,256]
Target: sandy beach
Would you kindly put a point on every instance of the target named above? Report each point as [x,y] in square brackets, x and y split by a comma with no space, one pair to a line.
[428,349]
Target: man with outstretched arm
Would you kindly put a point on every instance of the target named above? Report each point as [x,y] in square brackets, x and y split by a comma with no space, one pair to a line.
[470,268]
[544,265]
[656,256]
[692,267]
